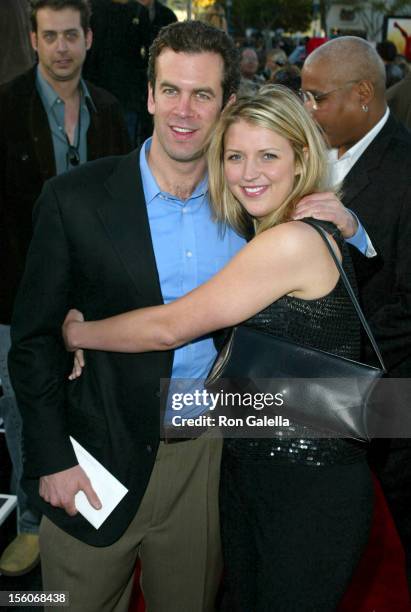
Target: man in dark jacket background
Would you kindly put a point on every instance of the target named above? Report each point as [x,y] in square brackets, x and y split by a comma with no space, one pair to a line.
[50,121]
[118,58]
[16,51]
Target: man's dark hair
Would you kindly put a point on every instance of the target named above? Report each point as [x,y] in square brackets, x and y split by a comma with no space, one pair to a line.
[289,76]
[82,6]
[387,50]
[198,37]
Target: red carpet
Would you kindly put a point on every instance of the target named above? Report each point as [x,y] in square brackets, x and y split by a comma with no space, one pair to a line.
[379,584]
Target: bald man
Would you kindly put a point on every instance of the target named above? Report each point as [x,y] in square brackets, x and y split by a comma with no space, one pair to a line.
[343,85]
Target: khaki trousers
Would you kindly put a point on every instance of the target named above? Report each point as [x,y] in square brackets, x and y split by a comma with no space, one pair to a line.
[175,533]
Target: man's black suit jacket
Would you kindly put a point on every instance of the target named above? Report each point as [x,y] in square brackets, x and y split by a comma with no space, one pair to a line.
[378,190]
[27,161]
[91,249]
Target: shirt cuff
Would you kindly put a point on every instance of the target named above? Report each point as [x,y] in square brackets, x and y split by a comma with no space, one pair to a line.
[361,240]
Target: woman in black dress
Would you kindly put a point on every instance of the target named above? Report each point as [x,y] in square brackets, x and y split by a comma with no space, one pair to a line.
[295,512]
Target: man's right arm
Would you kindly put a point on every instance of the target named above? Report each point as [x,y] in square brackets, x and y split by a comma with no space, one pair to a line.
[326,206]
[38,361]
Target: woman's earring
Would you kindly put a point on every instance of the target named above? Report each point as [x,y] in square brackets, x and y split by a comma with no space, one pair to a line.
[364,107]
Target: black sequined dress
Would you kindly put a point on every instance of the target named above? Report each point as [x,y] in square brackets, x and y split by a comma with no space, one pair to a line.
[296,511]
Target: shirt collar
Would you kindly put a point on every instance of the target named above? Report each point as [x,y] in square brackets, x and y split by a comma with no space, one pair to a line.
[49,95]
[87,95]
[150,185]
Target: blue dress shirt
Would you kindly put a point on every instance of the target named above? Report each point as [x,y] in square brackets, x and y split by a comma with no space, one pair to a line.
[189,248]
[361,241]
[54,107]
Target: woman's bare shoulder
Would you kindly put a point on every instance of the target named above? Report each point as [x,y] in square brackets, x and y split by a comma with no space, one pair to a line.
[294,237]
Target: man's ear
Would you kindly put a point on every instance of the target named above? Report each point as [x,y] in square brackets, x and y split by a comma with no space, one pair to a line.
[33,40]
[89,38]
[366,92]
[151,105]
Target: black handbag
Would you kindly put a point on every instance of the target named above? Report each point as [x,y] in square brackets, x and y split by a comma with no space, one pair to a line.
[323,391]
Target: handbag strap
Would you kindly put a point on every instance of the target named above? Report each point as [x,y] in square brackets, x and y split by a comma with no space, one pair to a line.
[350,291]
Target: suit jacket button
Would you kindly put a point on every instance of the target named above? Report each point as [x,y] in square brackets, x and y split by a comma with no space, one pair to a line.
[149,448]
[24,157]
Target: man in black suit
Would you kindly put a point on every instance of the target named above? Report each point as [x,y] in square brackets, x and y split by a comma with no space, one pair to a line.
[114,235]
[50,120]
[343,83]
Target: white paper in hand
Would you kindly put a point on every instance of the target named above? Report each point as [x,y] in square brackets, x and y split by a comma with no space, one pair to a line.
[109,490]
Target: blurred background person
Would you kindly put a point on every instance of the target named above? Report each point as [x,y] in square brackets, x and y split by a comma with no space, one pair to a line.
[387,50]
[251,81]
[393,71]
[16,52]
[215,15]
[289,76]
[298,55]
[159,16]
[275,60]
[118,59]
[51,120]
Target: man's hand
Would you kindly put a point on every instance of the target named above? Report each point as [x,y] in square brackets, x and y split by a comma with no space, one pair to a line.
[59,489]
[73,316]
[327,207]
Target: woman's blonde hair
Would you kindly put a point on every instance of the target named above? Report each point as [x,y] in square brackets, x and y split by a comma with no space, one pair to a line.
[278,109]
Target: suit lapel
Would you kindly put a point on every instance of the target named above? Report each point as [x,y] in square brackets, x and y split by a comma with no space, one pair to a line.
[124,216]
[362,173]
[355,181]
[95,134]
